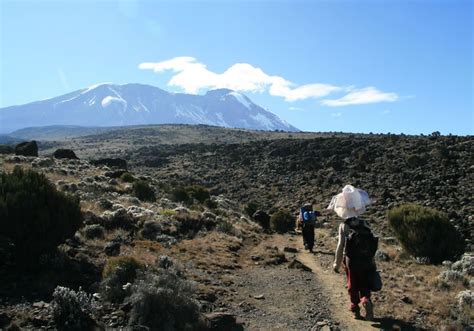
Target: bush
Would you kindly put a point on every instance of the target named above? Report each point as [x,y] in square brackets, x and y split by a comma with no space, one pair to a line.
[179,194]
[425,232]
[186,194]
[117,272]
[211,204]
[143,191]
[282,221]
[35,216]
[94,231]
[225,227]
[198,192]
[251,208]
[127,177]
[6,149]
[164,301]
[72,310]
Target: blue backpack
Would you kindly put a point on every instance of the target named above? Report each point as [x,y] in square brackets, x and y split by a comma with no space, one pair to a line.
[308,216]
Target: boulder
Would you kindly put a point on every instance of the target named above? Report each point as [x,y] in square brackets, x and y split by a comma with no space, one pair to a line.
[65,154]
[222,322]
[27,148]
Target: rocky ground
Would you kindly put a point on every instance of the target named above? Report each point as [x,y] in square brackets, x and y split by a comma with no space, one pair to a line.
[262,280]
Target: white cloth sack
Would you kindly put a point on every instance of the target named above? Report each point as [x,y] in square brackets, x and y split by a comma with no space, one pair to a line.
[350,202]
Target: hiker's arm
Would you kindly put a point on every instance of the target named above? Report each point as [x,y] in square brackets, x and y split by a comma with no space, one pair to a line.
[340,248]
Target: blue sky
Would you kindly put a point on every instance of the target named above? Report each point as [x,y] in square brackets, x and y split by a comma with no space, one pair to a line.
[354,66]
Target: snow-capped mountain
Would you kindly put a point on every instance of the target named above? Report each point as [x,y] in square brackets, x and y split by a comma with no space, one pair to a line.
[132,104]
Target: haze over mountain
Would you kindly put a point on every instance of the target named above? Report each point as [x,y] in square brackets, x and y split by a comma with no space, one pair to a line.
[132,104]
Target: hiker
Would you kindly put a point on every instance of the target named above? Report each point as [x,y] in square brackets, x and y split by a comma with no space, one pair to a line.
[356,248]
[307,221]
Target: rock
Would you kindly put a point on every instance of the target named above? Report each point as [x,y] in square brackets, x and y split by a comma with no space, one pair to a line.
[29,148]
[296,264]
[290,249]
[64,154]
[407,300]
[112,248]
[259,297]
[220,321]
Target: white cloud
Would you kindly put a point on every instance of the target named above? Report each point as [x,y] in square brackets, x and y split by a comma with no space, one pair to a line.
[361,96]
[193,76]
[336,114]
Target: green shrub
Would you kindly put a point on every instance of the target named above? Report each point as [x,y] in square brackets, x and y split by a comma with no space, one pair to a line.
[164,301]
[251,208]
[73,310]
[425,232]
[198,192]
[282,221]
[143,191]
[186,194]
[211,204]
[117,272]
[94,231]
[6,149]
[179,194]
[35,216]
[127,177]
[225,227]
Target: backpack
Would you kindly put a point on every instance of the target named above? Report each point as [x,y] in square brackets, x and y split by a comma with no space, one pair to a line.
[307,216]
[361,244]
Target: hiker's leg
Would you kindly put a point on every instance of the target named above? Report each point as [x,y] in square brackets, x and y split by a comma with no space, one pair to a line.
[311,236]
[305,236]
[352,289]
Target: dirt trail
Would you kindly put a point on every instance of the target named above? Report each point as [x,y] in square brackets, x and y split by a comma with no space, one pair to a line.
[331,283]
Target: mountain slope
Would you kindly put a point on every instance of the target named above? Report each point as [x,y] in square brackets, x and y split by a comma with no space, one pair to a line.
[132,104]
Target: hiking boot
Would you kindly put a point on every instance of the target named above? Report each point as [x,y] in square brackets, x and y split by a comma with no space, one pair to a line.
[311,249]
[356,312]
[369,310]
[306,247]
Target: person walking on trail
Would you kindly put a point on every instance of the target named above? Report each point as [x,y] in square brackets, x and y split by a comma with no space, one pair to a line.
[356,248]
[307,221]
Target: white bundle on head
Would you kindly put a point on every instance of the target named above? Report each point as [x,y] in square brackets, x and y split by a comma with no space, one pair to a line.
[350,202]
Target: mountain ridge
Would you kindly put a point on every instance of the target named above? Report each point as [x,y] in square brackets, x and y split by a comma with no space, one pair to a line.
[106,105]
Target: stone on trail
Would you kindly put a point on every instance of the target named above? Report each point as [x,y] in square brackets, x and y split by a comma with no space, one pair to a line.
[296,264]
[290,249]
[222,322]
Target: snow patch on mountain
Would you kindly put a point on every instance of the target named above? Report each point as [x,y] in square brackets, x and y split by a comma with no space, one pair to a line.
[263,121]
[108,100]
[242,99]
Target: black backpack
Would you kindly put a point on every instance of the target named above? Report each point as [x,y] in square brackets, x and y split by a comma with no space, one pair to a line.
[361,244]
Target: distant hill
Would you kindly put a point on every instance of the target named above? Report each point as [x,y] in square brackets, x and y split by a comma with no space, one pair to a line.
[57,132]
[108,105]
[9,140]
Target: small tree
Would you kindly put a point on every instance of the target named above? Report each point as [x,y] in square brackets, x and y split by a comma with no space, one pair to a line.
[143,191]
[282,221]
[425,232]
[35,216]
